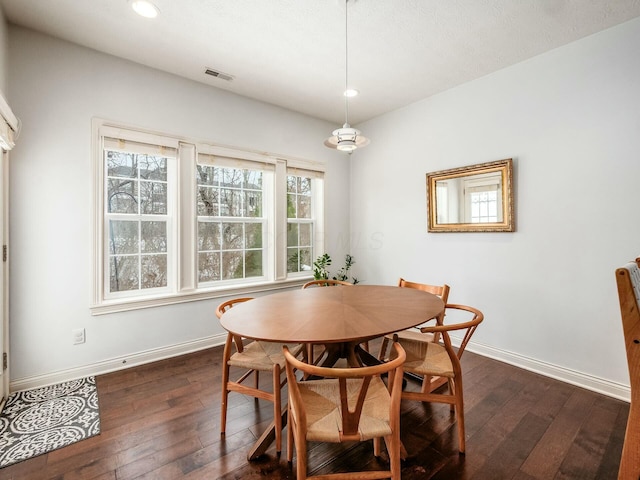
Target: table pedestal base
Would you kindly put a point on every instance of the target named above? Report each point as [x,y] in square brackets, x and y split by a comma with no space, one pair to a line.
[266,439]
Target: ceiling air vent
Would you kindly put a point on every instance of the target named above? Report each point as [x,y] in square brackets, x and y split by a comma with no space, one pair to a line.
[217,74]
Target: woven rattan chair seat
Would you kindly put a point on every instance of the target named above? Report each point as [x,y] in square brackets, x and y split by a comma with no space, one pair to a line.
[262,356]
[427,358]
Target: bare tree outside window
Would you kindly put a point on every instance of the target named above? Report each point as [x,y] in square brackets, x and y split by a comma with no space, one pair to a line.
[178,216]
[299,224]
[230,223]
[137,203]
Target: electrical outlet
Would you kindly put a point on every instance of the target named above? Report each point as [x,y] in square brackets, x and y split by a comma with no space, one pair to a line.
[78,336]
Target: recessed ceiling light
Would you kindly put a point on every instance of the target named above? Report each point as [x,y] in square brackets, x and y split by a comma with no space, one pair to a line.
[351,92]
[145,8]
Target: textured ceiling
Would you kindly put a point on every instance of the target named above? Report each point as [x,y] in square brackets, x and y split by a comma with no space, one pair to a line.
[292,52]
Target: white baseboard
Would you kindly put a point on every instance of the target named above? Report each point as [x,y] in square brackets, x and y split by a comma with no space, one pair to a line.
[595,384]
[117,363]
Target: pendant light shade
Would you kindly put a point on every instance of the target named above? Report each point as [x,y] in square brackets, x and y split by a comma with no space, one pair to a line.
[346,139]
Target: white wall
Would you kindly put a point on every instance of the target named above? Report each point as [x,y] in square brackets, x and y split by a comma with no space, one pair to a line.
[56,88]
[4,40]
[571,121]
[569,118]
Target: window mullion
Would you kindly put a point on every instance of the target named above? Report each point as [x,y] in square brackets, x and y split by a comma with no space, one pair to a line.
[187,257]
[280,221]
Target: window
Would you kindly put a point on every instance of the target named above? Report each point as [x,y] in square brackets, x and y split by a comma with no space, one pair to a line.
[138,216]
[179,220]
[232,218]
[299,224]
[484,206]
[483,199]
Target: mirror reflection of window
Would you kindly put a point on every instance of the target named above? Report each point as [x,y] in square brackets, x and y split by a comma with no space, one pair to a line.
[483,198]
[484,206]
[441,202]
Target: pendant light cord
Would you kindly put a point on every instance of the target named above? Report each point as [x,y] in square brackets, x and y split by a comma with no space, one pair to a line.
[346,63]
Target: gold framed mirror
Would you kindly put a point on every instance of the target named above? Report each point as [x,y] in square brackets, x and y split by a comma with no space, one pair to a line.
[477,198]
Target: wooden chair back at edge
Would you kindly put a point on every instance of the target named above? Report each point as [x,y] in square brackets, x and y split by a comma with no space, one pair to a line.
[628,283]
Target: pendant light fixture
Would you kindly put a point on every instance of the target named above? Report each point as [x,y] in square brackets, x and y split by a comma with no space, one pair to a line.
[347,138]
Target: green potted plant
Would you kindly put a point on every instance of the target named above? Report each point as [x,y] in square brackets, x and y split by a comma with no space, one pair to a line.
[321,269]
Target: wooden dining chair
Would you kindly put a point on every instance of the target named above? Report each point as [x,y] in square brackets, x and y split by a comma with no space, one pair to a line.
[441,291]
[321,283]
[628,282]
[346,405]
[440,359]
[254,357]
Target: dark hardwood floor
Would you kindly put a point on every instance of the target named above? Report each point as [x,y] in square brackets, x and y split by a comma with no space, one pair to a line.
[161,421]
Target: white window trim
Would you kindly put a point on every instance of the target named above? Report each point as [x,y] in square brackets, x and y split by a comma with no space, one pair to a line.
[185,264]
[9,125]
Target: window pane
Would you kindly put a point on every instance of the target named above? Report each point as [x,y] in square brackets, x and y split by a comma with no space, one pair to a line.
[120,164]
[304,186]
[232,237]
[293,259]
[152,167]
[154,237]
[253,235]
[305,259]
[304,207]
[232,265]
[232,177]
[207,175]
[292,234]
[123,237]
[230,203]
[291,206]
[208,201]
[123,273]
[122,196]
[298,260]
[253,179]
[291,184]
[253,263]
[153,198]
[208,267]
[208,236]
[305,234]
[154,271]
[253,204]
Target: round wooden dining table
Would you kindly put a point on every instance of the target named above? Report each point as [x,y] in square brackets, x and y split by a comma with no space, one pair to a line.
[341,318]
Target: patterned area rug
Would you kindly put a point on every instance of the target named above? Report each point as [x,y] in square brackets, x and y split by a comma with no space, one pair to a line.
[38,421]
